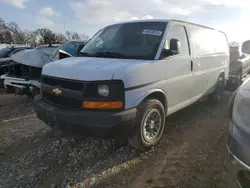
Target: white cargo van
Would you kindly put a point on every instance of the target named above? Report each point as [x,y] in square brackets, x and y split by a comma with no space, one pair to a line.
[131,76]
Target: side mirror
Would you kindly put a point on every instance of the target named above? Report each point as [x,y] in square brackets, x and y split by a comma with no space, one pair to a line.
[175,46]
[246,47]
[173,49]
[166,53]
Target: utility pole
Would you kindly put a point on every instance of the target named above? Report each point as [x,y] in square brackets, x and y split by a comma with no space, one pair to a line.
[64,23]
[64,26]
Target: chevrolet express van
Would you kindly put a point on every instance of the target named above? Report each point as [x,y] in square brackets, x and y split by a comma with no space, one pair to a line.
[131,75]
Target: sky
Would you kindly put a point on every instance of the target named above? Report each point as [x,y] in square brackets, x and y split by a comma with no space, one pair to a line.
[88,16]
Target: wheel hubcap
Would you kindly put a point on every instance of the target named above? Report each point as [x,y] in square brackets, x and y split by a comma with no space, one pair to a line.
[152,125]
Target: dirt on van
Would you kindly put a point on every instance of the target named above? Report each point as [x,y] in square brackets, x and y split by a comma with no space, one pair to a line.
[191,153]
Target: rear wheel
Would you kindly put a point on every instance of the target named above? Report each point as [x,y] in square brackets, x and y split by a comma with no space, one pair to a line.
[150,122]
[239,79]
[217,95]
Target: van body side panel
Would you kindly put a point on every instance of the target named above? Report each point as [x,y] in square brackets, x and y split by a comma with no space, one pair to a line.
[140,79]
[179,76]
[179,80]
[170,76]
[134,97]
[210,56]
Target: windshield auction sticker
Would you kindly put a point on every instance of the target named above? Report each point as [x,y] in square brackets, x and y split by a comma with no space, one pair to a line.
[151,32]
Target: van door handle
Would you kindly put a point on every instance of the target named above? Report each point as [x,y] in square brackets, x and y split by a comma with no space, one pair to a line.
[192,65]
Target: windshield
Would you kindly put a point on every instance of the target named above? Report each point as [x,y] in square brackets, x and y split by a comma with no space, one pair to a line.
[139,40]
[4,52]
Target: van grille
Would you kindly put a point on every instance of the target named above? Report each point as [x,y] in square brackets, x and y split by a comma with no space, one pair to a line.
[74,92]
[67,84]
[64,101]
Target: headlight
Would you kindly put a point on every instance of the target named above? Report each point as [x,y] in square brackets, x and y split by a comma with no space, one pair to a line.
[241,110]
[103,90]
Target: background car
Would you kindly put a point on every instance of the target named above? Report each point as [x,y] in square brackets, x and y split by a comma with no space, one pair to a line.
[237,162]
[24,71]
[5,58]
[239,67]
[6,53]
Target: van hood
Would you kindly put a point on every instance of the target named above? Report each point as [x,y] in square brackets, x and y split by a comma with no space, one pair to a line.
[87,68]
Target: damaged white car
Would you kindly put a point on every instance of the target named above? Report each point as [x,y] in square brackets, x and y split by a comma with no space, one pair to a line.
[23,76]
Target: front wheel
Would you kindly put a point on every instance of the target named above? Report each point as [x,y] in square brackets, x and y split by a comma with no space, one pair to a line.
[150,122]
[10,90]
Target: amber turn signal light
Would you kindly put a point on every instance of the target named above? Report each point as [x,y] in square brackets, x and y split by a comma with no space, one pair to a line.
[103,105]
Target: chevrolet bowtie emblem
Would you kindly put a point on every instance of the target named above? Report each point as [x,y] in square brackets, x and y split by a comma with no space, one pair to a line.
[57,91]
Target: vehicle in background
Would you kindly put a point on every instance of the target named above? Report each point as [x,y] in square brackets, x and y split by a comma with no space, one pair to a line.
[73,47]
[5,58]
[131,76]
[239,67]
[45,46]
[24,71]
[237,162]
[6,53]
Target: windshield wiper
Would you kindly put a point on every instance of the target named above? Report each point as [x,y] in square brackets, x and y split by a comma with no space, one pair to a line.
[84,54]
[109,54]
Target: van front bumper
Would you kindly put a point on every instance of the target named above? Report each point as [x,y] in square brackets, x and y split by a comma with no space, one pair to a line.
[237,161]
[82,122]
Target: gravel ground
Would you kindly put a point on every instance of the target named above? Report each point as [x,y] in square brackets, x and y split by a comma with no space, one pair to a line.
[190,154]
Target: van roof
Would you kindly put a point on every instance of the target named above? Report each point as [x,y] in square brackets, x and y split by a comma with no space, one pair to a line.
[167,20]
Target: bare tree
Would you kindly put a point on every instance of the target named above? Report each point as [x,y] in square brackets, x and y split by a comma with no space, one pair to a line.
[6,37]
[72,35]
[30,37]
[46,36]
[84,37]
[60,38]
[1,21]
[17,32]
[75,36]
[14,29]
[10,32]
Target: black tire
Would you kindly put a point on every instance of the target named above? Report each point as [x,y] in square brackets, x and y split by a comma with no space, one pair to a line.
[217,95]
[232,85]
[145,109]
[10,90]
[34,92]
